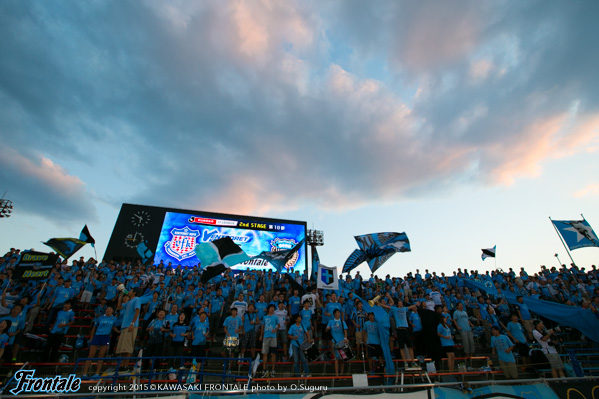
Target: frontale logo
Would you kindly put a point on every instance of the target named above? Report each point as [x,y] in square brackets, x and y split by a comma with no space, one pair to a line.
[285,244]
[182,244]
[26,382]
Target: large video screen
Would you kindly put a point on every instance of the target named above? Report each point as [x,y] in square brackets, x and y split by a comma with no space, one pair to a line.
[173,234]
[181,233]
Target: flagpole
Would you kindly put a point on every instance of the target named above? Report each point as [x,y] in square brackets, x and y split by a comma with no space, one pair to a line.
[562,240]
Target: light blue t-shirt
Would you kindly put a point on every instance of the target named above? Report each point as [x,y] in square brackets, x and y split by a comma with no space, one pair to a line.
[516,330]
[461,319]
[232,324]
[270,322]
[104,324]
[63,317]
[445,331]
[501,343]
[372,330]
[199,329]
[129,313]
[337,329]
[298,331]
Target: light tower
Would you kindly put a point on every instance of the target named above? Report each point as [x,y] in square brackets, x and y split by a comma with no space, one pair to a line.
[5,207]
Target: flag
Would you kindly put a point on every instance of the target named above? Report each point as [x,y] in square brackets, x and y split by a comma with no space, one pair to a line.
[576,233]
[217,256]
[280,258]
[315,263]
[144,252]
[354,260]
[376,249]
[65,247]
[327,278]
[34,266]
[86,236]
[489,252]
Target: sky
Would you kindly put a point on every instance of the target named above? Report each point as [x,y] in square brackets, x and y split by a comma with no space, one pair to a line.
[466,124]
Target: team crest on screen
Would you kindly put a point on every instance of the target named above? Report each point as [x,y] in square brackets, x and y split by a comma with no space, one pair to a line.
[182,244]
[283,244]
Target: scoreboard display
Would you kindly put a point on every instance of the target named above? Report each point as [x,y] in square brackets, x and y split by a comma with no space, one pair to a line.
[172,235]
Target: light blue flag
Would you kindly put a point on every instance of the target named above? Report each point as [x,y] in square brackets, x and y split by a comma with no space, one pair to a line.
[376,249]
[582,319]
[576,233]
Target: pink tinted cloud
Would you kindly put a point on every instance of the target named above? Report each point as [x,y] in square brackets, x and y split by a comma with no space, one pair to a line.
[43,187]
[592,190]
[433,34]
[555,136]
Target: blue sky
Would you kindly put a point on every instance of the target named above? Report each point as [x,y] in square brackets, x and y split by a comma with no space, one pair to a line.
[465,124]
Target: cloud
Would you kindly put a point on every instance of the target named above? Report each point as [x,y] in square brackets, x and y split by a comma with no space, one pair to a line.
[268,106]
[588,191]
[41,187]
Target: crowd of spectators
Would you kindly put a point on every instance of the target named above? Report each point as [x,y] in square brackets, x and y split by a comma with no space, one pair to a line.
[166,309]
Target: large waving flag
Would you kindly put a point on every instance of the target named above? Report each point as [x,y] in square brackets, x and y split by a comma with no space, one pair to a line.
[65,247]
[489,252]
[280,258]
[327,278]
[218,256]
[86,236]
[376,249]
[576,233]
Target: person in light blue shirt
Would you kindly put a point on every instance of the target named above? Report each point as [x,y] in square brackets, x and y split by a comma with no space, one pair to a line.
[100,338]
[233,324]
[199,332]
[503,347]
[64,319]
[179,333]
[129,325]
[373,341]
[515,332]
[297,335]
[216,311]
[525,316]
[338,330]
[4,338]
[270,324]
[464,328]
[444,333]
[294,304]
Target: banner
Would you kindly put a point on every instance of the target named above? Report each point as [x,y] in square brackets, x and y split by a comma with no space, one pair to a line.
[581,319]
[535,391]
[34,266]
[327,278]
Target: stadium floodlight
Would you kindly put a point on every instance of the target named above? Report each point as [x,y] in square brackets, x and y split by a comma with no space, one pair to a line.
[6,208]
[315,237]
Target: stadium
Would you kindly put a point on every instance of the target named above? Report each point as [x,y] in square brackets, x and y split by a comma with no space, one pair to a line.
[143,323]
[169,171]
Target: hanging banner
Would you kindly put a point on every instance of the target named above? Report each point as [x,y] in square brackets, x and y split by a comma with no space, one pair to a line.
[35,266]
